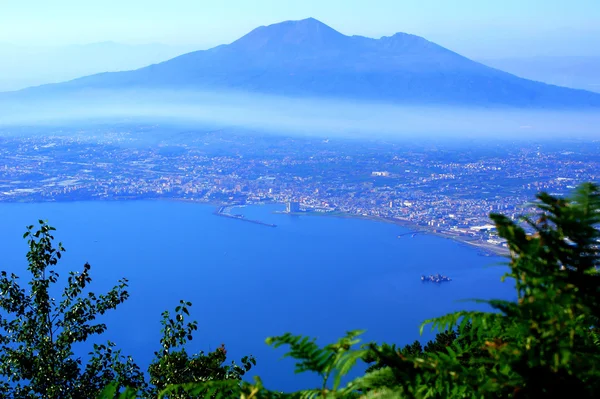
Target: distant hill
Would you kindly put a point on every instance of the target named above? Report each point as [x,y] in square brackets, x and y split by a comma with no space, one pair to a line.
[308,58]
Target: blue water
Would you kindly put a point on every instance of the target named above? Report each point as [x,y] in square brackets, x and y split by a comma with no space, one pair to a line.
[316,276]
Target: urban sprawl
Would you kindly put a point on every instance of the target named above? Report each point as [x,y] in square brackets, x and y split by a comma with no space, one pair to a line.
[444,187]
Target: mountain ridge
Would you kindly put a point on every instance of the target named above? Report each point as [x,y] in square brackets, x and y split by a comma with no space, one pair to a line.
[309,58]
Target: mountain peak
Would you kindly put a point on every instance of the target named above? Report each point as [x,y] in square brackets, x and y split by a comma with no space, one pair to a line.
[305,32]
[305,21]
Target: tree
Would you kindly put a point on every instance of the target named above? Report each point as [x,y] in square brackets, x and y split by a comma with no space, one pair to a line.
[37,332]
[173,366]
[544,344]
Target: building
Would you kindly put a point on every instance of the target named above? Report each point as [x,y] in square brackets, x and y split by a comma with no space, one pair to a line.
[383,174]
[292,207]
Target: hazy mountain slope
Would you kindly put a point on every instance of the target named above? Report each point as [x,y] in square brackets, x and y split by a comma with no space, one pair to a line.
[308,58]
[24,66]
[575,72]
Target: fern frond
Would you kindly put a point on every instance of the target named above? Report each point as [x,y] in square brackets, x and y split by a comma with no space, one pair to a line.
[345,363]
[311,357]
[207,389]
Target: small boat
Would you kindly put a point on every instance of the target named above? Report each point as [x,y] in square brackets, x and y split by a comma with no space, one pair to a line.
[435,278]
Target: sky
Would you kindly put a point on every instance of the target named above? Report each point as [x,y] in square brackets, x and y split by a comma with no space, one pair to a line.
[476,28]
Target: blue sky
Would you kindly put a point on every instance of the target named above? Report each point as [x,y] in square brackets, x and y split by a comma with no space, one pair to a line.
[478,28]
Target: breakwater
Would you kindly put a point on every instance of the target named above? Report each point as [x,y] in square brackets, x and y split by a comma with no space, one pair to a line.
[412,234]
[222,211]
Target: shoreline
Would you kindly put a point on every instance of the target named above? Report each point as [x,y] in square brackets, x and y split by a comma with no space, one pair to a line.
[483,248]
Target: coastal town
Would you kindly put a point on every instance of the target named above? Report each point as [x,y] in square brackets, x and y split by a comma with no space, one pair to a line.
[446,188]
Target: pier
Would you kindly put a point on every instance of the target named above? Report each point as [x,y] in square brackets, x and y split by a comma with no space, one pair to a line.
[222,212]
[410,233]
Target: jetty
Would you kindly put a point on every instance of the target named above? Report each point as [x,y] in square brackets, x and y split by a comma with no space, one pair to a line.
[412,234]
[435,278]
[222,212]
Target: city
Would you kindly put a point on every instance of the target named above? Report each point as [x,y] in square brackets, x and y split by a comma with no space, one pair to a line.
[442,187]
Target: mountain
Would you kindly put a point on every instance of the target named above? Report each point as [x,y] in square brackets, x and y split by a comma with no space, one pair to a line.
[309,58]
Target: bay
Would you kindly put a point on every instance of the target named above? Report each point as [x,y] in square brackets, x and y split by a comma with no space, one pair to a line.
[316,276]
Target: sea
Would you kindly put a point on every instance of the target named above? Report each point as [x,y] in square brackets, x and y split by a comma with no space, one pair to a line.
[310,275]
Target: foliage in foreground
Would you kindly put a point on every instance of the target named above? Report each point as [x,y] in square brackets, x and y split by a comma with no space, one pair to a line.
[547,343]
[173,366]
[38,333]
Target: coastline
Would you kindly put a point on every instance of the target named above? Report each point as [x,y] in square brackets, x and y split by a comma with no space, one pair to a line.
[483,248]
